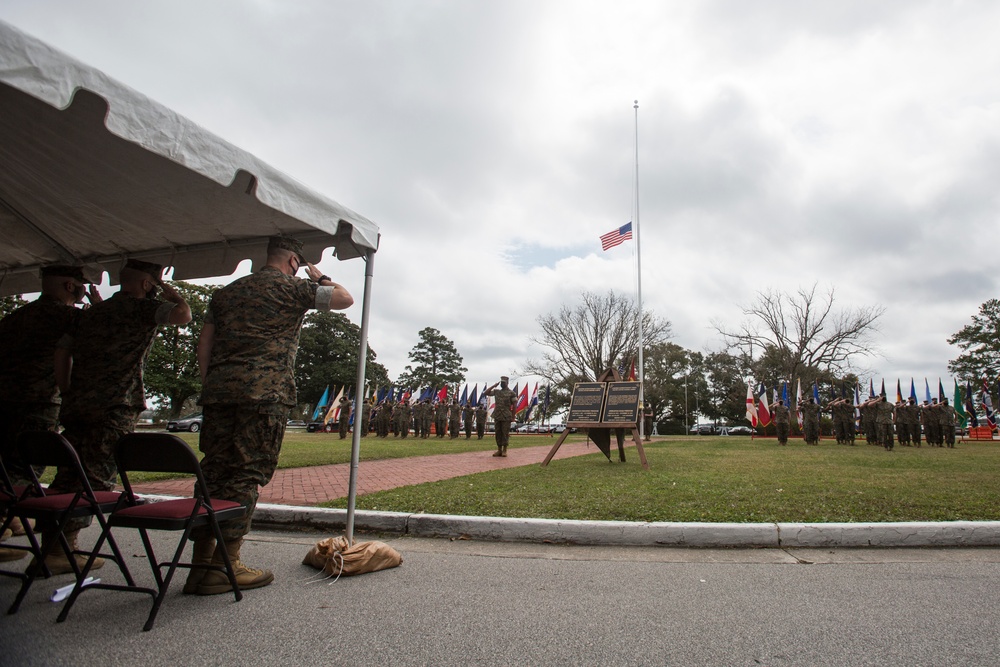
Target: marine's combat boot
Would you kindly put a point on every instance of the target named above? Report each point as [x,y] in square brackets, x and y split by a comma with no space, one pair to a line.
[201,554]
[6,554]
[57,562]
[503,451]
[216,581]
[499,451]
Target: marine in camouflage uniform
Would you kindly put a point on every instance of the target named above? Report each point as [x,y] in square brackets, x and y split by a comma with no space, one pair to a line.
[440,418]
[468,413]
[902,424]
[403,415]
[103,394]
[913,417]
[503,412]
[454,418]
[247,357]
[884,417]
[365,411]
[782,420]
[810,422]
[480,421]
[29,395]
[344,416]
[424,417]
[947,417]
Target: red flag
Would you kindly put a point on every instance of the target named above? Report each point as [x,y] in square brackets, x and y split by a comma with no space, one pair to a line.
[763,414]
[443,395]
[522,400]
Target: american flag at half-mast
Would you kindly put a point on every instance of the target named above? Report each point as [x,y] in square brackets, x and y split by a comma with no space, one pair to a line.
[617,236]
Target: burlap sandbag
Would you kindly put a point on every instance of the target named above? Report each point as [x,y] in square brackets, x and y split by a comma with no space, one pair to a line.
[358,559]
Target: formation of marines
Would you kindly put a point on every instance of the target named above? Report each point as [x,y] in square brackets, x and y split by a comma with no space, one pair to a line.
[881,422]
[443,419]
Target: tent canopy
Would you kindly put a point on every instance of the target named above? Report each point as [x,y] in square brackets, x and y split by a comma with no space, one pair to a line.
[94,172]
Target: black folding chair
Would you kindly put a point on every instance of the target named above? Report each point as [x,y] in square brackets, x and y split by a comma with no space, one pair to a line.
[162,452]
[9,495]
[46,448]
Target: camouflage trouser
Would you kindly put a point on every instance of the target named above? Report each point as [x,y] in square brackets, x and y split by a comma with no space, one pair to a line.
[241,445]
[782,429]
[503,432]
[16,418]
[810,432]
[342,424]
[94,440]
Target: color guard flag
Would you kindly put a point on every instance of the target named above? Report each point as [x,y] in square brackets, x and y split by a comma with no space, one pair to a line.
[532,403]
[522,400]
[960,407]
[616,237]
[798,401]
[751,410]
[322,403]
[988,406]
[970,406]
[763,414]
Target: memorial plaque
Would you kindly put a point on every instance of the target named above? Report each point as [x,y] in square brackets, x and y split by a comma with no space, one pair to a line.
[587,401]
[622,406]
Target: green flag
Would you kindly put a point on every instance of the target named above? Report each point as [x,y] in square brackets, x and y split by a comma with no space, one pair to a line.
[963,419]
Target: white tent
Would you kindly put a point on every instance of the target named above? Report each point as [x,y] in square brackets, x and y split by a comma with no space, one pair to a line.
[94,172]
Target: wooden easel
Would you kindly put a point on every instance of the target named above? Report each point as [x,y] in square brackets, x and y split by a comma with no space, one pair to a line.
[600,432]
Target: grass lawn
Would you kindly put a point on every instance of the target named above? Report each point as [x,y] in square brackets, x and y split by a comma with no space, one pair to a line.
[727,479]
[300,449]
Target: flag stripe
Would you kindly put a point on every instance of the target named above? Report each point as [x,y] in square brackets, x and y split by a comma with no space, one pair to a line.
[616,237]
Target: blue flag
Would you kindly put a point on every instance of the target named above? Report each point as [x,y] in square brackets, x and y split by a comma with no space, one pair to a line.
[323,400]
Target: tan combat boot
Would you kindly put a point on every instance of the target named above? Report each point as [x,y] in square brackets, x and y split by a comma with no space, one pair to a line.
[7,555]
[201,554]
[499,451]
[216,581]
[57,562]
[503,452]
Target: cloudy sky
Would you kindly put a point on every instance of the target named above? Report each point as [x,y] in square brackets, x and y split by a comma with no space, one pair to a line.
[851,144]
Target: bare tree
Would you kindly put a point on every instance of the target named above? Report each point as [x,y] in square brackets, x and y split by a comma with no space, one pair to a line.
[792,334]
[597,334]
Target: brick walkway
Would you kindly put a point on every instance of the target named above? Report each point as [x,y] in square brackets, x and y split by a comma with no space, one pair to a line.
[316,484]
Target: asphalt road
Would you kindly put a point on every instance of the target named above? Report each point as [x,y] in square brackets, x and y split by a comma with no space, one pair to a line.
[464,602]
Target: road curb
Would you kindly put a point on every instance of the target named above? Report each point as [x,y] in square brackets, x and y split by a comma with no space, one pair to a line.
[627,533]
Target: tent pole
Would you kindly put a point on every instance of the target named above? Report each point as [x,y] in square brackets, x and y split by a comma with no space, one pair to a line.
[352,488]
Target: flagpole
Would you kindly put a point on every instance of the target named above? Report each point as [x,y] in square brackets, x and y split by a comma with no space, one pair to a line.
[638,256]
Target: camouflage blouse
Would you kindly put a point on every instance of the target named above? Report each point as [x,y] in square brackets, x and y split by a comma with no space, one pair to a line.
[257,321]
[28,338]
[109,344]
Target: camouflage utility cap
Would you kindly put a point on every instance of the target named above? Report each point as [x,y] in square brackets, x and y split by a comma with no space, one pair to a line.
[285,243]
[64,271]
[155,270]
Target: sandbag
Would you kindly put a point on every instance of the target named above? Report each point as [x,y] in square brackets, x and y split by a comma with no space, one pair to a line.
[336,557]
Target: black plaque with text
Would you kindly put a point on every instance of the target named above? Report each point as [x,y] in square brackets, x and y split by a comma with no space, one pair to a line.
[622,406]
[587,401]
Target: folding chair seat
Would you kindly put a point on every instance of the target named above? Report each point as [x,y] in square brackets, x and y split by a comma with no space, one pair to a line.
[46,448]
[162,452]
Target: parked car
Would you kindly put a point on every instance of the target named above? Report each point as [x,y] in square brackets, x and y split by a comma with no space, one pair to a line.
[190,423]
[296,423]
[740,430]
[558,428]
